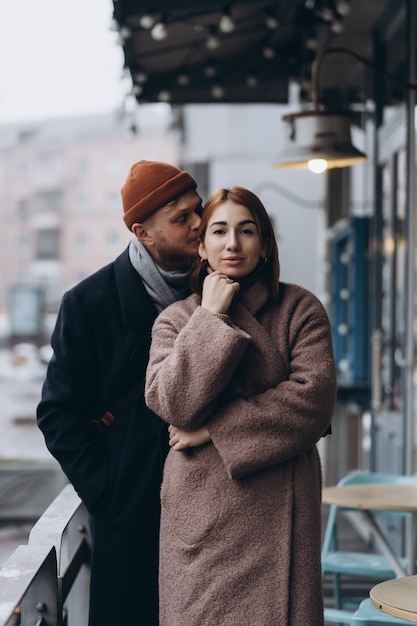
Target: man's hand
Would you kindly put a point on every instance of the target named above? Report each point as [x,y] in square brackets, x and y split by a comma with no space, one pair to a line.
[183,439]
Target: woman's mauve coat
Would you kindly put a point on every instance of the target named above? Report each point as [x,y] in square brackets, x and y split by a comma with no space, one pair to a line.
[241,520]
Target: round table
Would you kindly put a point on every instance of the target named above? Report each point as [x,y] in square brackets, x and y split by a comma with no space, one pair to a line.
[397,597]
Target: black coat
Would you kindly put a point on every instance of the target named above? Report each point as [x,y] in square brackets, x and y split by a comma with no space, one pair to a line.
[101,342]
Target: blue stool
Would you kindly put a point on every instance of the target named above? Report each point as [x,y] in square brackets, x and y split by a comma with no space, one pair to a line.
[368,615]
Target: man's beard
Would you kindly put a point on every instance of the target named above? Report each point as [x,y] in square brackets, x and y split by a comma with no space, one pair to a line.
[171,259]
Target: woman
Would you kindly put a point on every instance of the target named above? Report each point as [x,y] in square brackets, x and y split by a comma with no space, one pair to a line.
[243,372]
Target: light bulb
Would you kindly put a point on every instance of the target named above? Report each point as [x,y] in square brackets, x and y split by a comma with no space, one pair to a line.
[337,27]
[159,32]
[183,79]
[140,77]
[164,96]
[147,21]
[343,7]
[226,23]
[210,71]
[212,41]
[251,81]
[125,32]
[268,52]
[311,41]
[217,91]
[271,21]
[137,90]
[317,166]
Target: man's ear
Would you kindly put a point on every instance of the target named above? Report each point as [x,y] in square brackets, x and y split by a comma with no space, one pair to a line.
[142,233]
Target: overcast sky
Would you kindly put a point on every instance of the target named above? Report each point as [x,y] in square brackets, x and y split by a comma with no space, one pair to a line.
[58,58]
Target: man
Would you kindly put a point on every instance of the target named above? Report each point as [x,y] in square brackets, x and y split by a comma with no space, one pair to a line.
[95,377]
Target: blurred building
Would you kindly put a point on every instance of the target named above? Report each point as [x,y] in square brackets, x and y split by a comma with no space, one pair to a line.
[60,203]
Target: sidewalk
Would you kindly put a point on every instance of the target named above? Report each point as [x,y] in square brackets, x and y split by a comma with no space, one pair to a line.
[12,536]
[29,476]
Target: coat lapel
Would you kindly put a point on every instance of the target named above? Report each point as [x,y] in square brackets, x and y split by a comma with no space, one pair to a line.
[262,366]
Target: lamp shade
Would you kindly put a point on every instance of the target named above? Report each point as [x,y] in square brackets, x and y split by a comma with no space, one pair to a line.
[318,137]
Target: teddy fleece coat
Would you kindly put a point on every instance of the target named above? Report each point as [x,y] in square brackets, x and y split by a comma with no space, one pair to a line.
[240,528]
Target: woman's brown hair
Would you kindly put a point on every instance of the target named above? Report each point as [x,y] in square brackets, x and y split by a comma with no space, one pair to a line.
[244,197]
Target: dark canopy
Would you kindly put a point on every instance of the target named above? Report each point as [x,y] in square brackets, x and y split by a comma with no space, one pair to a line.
[194,55]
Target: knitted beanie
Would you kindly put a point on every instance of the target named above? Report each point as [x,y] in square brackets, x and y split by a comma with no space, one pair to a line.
[149,186]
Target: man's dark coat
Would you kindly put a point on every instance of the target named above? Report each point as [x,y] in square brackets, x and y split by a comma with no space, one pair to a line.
[101,343]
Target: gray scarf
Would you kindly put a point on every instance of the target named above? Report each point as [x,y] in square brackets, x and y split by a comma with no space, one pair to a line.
[163,287]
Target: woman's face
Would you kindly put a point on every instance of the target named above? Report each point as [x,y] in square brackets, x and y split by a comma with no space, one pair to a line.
[232,244]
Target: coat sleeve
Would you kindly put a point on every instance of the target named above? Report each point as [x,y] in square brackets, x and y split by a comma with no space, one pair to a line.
[284,421]
[67,394]
[191,361]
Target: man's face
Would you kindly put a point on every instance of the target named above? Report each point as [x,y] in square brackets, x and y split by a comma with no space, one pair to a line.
[171,233]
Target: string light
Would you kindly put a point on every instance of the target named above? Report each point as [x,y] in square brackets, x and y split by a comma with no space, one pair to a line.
[147,21]
[251,81]
[271,21]
[159,32]
[137,90]
[125,32]
[329,13]
[311,41]
[268,52]
[226,24]
[183,79]
[165,96]
[217,91]
[210,70]
[343,7]
[337,27]
[140,76]
[212,41]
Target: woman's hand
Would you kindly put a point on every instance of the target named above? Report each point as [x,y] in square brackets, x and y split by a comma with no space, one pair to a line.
[183,439]
[218,292]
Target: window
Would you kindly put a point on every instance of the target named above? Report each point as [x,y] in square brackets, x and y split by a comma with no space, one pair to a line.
[48,202]
[23,170]
[23,247]
[48,165]
[113,203]
[82,167]
[23,210]
[82,204]
[114,165]
[81,241]
[112,242]
[47,244]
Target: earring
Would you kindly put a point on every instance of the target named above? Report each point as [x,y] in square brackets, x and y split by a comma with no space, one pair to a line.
[265,258]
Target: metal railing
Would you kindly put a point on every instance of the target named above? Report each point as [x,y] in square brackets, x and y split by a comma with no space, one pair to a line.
[46,582]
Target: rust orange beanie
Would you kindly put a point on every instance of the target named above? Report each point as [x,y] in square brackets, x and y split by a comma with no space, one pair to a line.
[149,186]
